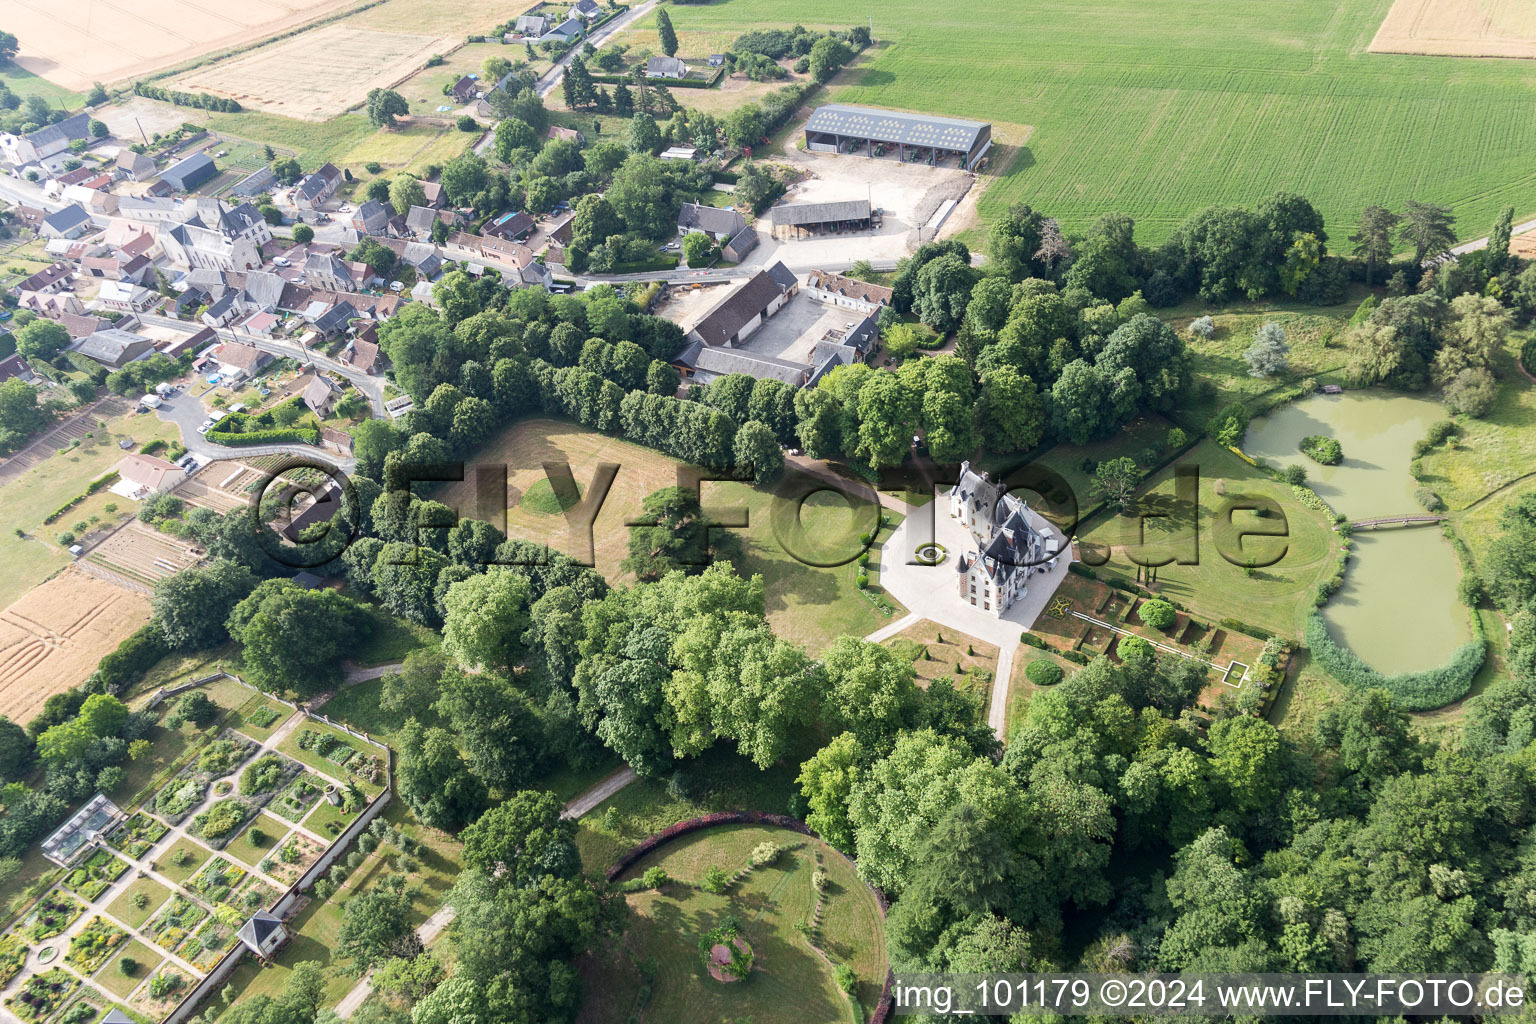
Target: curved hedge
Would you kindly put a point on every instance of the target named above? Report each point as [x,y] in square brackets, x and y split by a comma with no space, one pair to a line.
[1415,691]
[289,435]
[682,828]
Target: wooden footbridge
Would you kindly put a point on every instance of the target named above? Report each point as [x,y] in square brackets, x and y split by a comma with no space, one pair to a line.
[1414,519]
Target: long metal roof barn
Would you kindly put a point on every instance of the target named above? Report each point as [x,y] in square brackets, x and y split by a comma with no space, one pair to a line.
[821,213]
[894,126]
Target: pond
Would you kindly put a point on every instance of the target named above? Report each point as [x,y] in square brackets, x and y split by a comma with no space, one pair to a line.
[1397,609]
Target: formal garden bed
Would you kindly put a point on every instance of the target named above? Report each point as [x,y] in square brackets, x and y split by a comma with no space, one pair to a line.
[162,992]
[133,963]
[55,912]
[252,895]
[13,957]
[288,862]
[298,797]
[137,835]
[95,875]
[94,945]
[180,796]
[335,753]
[83,1010]
[42,994]
[173,924]
[218,824]
[203,949]
[217,880]
[268,775]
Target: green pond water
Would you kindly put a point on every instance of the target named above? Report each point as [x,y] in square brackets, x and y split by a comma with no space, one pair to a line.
[1397,608]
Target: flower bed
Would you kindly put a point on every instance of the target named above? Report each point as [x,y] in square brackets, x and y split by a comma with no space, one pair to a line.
[13,957]
[295,801]
[327,745]
[253,895]
[136,835]
[173,924]
[42,994]
[218,824]
[55,912]
[263,716]
[93,877]
[217,879]
[224,754]
[180,796]
[211,942]
[266,775]
[94,944]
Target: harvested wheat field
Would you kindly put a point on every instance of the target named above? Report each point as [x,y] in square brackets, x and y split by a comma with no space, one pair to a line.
[139,556]
[52,638]
[77,43]
[1459,28]
[318,74]
[1524,245]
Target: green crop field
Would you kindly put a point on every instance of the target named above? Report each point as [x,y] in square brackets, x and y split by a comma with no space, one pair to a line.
[1158,109]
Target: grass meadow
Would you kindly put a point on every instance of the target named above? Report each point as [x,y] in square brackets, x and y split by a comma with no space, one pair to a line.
[1160,109]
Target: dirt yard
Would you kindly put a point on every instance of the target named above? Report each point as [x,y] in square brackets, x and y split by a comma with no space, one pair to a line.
[75,44]
[686,306]
[53,637]
[907,194]
[1524,245]
[319,74]
[1459,28]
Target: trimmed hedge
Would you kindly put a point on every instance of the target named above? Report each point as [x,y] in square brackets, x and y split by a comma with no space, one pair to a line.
[1414,691]
[1043,673]
[287,435]
[1257,632]
[105,480]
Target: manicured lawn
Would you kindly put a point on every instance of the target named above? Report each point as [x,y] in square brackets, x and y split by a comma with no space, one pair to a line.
[1074,462]
[1161,109]
[123,909]
[789,981]
[259,717]
[1494,451]
[327,820]
[244,849]
[1316,339]
[808,604]
[119,984]
[167,866]
[358,706]
[1276,597]
[723,782]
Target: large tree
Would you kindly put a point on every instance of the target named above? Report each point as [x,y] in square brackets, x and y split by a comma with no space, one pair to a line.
[1429,227]
[666,35]
[1373,240]
[294,640]
[384,105]
[523,840]
[193,605]
[485,617]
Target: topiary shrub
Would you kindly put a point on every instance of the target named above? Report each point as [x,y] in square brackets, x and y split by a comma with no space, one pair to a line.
[1043,672]
[1159,614]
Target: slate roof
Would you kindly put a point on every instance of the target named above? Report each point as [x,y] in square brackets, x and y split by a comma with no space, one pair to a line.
[733,312]
[111,345]
[245,357]
[374,216]
[47,277]
[67,130]
[190,172]
[531,25]
[421,219]
[895,126]
[264,289]
[67,219]
[669,66]
[782,276]
[725,361]
[713,219]
[258,929]
[135,164]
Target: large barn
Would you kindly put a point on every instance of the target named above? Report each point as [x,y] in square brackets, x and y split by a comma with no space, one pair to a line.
[837,128]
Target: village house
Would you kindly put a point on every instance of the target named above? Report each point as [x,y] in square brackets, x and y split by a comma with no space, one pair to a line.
[365,355]
[317,188]
[586,10]
[567,32]
[320,396]
[720,224]
[848,292]
[55,277]
[126,297]
[235,358]
[48,145]
[464,89]
[421,219]
[372,218]
[53,305]
[665,67]
[70,222]
[139,476]
[1012,543]
[14,366]
[557,132]
[515,225]
[534,25]
[113,347]
[134,166]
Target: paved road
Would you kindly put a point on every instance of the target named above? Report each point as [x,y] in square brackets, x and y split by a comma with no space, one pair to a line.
[187,412]
[1482,243]
[20,190]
